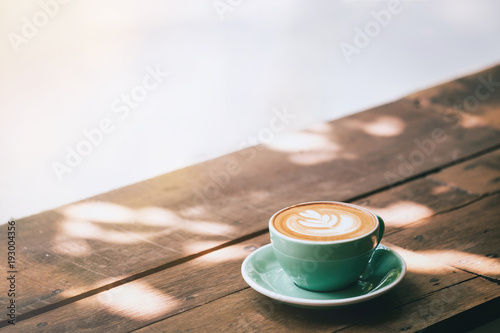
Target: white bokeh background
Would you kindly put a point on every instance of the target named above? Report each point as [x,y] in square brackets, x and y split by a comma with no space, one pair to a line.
[226,77]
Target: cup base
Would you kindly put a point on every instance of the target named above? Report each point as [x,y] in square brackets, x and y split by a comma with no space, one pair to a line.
[326,291]
[323,276]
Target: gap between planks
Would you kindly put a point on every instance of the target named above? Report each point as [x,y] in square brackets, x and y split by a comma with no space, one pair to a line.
[135,277]
[238,240]
[445,211]
[427,173]
[445,325]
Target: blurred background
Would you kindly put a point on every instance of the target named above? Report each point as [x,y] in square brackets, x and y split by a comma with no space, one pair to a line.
[96,95]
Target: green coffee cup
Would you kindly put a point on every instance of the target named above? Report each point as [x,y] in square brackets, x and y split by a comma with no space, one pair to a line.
[324,245]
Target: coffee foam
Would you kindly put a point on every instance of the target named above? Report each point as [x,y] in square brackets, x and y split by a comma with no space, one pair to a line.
[324,222]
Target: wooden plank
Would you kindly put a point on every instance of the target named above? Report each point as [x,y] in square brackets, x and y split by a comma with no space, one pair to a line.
[474,320]
[435,308]
[86,245]
[249,311]
[203,281]
[480,175]
[470,101]
[421,198]
[465,238]
[154,297]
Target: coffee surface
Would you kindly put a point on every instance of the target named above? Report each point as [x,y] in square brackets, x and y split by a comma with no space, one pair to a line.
[324,222]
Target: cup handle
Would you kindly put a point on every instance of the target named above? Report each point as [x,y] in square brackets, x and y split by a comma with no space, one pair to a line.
[381,229]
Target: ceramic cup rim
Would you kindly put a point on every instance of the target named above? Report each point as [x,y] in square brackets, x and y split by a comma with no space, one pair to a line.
[340,241]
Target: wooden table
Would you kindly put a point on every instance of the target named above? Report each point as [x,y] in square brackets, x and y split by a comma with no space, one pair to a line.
[164,255]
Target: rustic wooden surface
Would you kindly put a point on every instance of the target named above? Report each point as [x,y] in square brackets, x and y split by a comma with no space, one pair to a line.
[479,175]
[164,255]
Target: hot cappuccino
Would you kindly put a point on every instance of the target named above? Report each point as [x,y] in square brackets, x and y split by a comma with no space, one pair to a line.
[324,221]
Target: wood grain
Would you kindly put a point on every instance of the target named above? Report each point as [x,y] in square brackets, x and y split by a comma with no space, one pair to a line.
[154,297]
[435,308]
[402,205]
[470,101]
[466,238]
[480,175]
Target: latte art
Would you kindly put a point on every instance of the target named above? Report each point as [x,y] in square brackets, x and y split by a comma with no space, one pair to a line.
[324,221]
[313,223]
